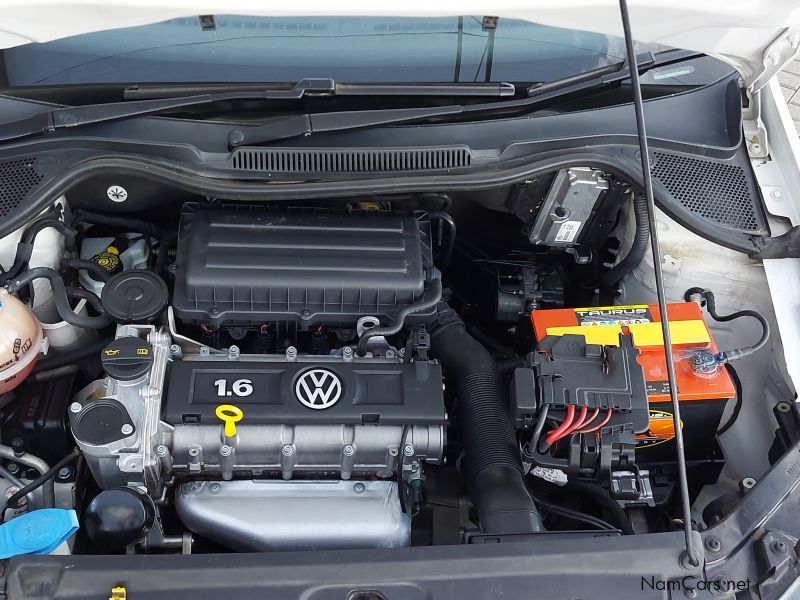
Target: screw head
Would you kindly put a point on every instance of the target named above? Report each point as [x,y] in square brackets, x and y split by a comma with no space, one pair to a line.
[408,450]
[214,488]
[287,450]
[784,407]
[75,407]
[690,593]
[748,483]
[161,450]
[225,450]
[64,472]
[126,429]
[393,451]
[359,487]
[778,547]
[194,451]
[348,450]
[713,544]
[347,352]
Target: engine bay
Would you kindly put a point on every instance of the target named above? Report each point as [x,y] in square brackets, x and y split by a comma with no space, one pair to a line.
[376,372]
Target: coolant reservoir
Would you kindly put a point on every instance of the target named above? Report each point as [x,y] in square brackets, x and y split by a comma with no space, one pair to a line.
[21,341]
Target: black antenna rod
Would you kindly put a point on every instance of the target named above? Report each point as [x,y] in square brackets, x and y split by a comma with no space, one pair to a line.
[692,554]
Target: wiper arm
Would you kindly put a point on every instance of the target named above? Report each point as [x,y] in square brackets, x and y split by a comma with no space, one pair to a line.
[77,116]
[606,75]
[283,128]
[322,87]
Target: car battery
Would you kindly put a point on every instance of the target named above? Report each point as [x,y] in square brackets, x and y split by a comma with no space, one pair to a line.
[703,385]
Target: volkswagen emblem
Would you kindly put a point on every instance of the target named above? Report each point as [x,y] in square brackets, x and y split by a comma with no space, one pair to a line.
[318,388]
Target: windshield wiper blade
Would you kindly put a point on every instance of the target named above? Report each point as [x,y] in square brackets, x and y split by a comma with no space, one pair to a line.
[321,87]
[77,116]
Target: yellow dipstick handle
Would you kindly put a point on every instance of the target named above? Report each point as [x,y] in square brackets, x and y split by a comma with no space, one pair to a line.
[230,415]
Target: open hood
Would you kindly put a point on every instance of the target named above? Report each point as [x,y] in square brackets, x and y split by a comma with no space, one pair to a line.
[755,36]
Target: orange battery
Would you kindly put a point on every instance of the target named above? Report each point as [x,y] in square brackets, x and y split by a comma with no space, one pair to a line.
[688,330]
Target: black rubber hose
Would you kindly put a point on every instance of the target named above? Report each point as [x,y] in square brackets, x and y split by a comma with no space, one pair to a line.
[601,496]
[48,363]
[60,296]
[95,271]
[507,365]
[76,293]
[430,298]
[638,248]
[575,515]
[126,223]
[737,408]
[445,217]
[25,245]
[711,307]
[494,468]
[13,499]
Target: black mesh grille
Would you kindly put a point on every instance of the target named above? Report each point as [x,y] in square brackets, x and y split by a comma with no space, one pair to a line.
[17,178]
[719,192]
[350,161]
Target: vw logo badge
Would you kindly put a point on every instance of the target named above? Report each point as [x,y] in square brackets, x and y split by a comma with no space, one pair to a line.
[318,388]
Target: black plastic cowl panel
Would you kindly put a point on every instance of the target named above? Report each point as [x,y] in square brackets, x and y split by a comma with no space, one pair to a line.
[250,265]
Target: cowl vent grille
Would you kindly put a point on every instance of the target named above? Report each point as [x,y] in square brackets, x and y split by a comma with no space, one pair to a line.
[17,178]
[312,161]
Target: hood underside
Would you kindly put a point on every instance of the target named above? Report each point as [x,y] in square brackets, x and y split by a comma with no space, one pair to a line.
[755,36]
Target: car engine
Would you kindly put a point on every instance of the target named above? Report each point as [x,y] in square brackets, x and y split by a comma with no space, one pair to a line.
[229,376]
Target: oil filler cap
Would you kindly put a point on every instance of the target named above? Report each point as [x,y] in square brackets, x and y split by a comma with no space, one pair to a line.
[127,358]
[135,296]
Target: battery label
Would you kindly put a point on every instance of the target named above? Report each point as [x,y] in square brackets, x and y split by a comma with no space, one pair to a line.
[657,388]
[661,429]
[614,315]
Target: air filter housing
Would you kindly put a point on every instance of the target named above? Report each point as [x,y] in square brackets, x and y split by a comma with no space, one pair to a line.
[255,266]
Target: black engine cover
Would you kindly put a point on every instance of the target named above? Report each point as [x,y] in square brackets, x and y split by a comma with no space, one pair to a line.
[370,391]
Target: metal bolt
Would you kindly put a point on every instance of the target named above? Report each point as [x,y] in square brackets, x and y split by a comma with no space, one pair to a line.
[748,483]
[713,544]
[347,353]
[287,450]
[777,194]
[175,349]
[233,352]
[784,407]
[127,429]
[11,490]
[390,353]
[13,468]
[173,267]
[359,488]
[393,451]
[408,450]
[194,451]
[162,450]
[348,450]
[75,407]
[214,488]
[64,472]
[291,353]
[778,547]
[690,593]
[225,450]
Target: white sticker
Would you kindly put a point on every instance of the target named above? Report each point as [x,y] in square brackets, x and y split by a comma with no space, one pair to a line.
[568,231]
[556,476]
[117,193]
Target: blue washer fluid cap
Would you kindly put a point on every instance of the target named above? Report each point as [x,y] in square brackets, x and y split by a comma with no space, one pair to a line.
[37,532]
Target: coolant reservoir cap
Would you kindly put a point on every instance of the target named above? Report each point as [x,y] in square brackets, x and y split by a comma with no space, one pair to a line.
[127,358]
[135,296]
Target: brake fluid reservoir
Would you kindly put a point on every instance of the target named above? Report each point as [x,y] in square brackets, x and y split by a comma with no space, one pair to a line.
[21,341]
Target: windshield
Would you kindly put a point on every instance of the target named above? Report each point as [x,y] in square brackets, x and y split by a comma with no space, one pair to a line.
[287,49]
